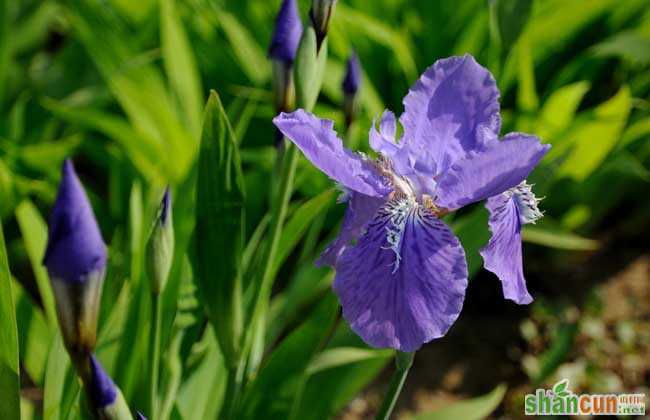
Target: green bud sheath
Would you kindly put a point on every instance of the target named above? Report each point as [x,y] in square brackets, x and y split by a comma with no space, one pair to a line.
[309,69]
[160,247]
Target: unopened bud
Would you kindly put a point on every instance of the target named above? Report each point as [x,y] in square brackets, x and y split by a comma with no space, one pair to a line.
[106,397]
[282,51]
[350,87]
[75,259]
[320,14]
[160,247]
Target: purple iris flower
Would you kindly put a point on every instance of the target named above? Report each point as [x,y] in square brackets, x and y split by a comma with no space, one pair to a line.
[288,30]
[104,391]
[75,247]
[352,79]
[401,273]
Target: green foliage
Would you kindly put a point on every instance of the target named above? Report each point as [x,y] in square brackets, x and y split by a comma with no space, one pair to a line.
[472,409]
[9,372]
[220,224]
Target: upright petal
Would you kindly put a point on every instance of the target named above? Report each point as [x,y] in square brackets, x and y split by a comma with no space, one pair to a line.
[361,208]
[500,166]
[383,140]
[404,282]
[502,255]
[318,141]
[75,246]
[444,111]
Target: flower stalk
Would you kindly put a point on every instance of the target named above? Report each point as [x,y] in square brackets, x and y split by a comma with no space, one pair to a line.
[403,363]
[308,77]
[160,253]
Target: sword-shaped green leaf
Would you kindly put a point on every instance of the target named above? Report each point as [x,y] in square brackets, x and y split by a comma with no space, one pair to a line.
[9,372]
[219,228]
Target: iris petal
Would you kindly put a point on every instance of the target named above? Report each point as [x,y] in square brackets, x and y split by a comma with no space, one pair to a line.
[320,144]
[361,208]
[502,255]
[444,112]
[501,165]
[383,141]
[402,301]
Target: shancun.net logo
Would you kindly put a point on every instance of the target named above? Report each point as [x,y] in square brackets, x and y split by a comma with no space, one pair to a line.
[561,400]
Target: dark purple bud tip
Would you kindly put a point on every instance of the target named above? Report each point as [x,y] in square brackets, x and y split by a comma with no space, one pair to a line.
[320,14]
[165,204]
[352,79]
[139,416]
[104,391]
[287,33]
[75,246]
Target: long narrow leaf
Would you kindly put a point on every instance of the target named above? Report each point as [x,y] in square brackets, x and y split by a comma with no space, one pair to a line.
[9,372]
[34,232]
[219,227]
[180,65]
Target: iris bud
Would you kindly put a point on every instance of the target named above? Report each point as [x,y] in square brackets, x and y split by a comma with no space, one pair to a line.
[75,258]
[320,14]
[107,399]
[160,247]
[350,87]
[282,51]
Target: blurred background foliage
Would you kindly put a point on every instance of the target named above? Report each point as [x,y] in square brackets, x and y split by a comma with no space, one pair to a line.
[120,86]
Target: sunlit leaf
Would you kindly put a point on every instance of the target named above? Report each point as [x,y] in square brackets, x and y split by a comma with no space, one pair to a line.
[631,46]
[180,65]
[559,109]
[471,409]
[592,140]
[34,232]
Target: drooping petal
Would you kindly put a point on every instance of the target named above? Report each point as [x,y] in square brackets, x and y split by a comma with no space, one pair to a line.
[404,282]
[320,144]
[74,246]
[361,208]
[502,255]
[445,110]
[500,166]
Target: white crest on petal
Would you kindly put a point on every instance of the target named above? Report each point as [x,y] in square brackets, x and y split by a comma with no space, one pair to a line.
[397,211]
[526,203]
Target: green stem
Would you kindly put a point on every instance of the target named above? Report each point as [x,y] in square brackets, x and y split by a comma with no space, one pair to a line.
[154,360]
[233,392]
[403,362]
[278,214]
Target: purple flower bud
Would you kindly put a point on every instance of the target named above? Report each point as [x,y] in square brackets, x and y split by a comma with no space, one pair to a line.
[139,416]
[75,258]
[75,247]
[165,205]
[103,390]
[350,86]
[352,79]
[288,29]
